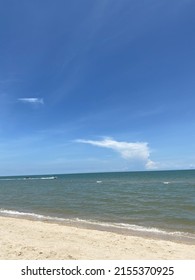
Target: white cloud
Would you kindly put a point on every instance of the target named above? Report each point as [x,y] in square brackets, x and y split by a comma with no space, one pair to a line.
[31,100]
[151,165]
[137,151]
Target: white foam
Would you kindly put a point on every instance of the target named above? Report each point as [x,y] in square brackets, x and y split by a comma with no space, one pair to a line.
[48,178]
[123,226]
[16,213]
[32,215]
[133,228]
[29,178]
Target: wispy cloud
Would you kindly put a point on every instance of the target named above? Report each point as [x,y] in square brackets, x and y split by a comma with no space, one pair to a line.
[138,151]
[31,100]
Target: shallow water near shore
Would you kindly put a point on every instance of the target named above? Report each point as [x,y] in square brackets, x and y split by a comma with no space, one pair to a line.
[159,204]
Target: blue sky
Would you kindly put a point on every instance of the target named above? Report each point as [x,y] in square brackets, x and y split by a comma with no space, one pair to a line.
[102,85]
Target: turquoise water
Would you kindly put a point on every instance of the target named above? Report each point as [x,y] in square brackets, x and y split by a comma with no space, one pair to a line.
[159,203]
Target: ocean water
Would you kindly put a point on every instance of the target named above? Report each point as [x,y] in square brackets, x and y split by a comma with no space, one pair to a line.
[158,204]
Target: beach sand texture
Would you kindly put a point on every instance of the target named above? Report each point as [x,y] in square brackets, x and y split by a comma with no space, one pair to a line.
[27,240]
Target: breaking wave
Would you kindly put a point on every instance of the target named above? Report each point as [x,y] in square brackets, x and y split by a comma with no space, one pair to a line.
[106,225]
[29,178]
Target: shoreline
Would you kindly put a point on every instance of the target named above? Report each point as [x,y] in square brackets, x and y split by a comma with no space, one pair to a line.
[31,239]
[118,228]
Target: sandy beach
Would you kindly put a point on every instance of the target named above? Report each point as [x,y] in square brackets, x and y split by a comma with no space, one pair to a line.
[26,239]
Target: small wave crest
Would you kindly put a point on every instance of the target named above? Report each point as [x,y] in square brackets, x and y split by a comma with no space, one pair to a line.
[135,228]
[29,178]
[13,213]
[39,178]
[17,213]
[48,178]
[98,224]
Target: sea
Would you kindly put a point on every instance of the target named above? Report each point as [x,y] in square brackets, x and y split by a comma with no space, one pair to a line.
[157,204]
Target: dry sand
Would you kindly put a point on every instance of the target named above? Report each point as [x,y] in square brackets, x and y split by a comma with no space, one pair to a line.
[27,240]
